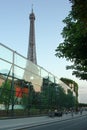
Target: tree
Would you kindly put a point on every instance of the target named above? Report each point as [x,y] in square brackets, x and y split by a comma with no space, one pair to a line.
[79,9]
[5,94]
[74,47]
[70,100]
[54,96]
[61,97]
[73,85]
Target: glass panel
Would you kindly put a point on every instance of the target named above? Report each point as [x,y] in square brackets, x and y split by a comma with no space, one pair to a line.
[19,61]
[37,83]
[44,73]
[31,69]
[34,79]
[5,67]
[18,72]
[51,77]
[56,80]
[31,77]
[39,70]
[6,54]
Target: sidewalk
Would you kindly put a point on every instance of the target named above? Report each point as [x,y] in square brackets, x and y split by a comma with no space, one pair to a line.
[16,124]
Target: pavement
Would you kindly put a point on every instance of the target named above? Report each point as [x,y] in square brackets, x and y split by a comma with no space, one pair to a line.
[20,123]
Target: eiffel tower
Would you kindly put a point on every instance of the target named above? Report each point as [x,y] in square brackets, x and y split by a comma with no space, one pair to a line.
[31,55]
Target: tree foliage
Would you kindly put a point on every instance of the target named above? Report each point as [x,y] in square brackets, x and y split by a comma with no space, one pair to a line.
[71,83]
[74,47]
[5,94]
[54,96]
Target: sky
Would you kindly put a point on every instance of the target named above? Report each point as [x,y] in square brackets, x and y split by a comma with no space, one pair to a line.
[14,33]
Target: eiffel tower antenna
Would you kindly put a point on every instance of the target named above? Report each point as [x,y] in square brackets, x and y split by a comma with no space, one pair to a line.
[32,8]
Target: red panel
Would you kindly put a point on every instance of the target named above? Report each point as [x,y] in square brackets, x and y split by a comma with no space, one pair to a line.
[18,92]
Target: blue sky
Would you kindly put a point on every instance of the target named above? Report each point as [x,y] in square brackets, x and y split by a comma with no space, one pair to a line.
[14,33]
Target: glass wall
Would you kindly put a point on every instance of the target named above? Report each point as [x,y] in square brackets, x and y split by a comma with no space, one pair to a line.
[25,78]
[24,69]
